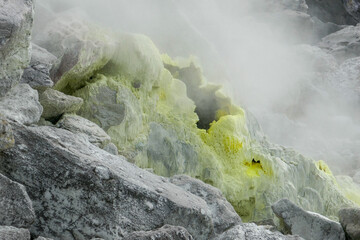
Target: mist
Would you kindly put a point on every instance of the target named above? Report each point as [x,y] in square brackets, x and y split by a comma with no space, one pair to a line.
[302,97]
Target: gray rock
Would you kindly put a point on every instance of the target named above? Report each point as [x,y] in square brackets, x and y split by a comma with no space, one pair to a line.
[222,213]
[250,231]
[343,44]
[16,19]
[42,238]
[15,205]
[37,75]
[353,8]
[80,190]
[6,135]
[330,11]
[350,221]
[21,104]
[12,233]
[111,148]
[80,125]
[166,232]
[56,103]
[309,225]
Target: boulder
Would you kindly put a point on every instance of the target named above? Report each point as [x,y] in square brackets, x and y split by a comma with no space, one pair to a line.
[80,190]
[80,125]
[56,103]
[309,225]
[37,75]
[16,19]
[12,233]
[166,232]
[250,231]
[6,135]
[223,214]
[15,205]
[343,44]
[21,104]
[350,221]
[79,46]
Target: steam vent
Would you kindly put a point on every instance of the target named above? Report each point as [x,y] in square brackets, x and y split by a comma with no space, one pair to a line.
[167,120]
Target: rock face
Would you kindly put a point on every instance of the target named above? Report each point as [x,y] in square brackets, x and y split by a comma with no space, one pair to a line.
[350,221]
[56,103]
[15,205]
[6,135]
[16,19]
[113,196]
[343,44]
[80,125]
[223,214]
[166,232]
[353,8]
[37,75]
[21,104]
[309,225]
[12,233]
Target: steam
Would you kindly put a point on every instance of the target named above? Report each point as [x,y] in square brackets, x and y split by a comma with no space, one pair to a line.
[301,96]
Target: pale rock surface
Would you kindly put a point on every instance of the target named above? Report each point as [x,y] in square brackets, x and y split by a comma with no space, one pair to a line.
[166,232]
[12,233]
[80,125]
[223,214]
[42,238]
[15,205]
[309,225]
[16,17]
[350,221]
[6,135]
[56,103]
[21,104]
[37,75]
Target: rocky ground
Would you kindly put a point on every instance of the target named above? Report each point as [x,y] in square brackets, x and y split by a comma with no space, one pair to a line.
[81,109]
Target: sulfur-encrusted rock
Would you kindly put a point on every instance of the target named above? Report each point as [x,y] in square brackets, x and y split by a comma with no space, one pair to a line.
[81,49]
[6,135]
[21,104]
[16,19]
[223,214]
[37,75]
[309,225]
[350,221]
[15,205]
[166,232]
[80,125]
[56,103]
[68,178]
[12,233]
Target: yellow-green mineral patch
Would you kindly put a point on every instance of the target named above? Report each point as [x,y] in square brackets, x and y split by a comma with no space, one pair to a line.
[166,117]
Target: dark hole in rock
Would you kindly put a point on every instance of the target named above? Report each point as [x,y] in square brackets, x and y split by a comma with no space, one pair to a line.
[54,120]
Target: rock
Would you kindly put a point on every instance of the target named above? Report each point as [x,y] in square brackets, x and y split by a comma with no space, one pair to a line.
[80,125]
[6,135]
[56,103]
[343,44]
[353,8]
[111,148]
[356,177]
[349,188]
[15,205]
[21,104]
[166,232]
[37,75]
[42,238]
[309,225]
[79,46]
[250,231]
[12,233]
[350,221]
[330,11]
[16,19]
[93,193]
[222,213]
